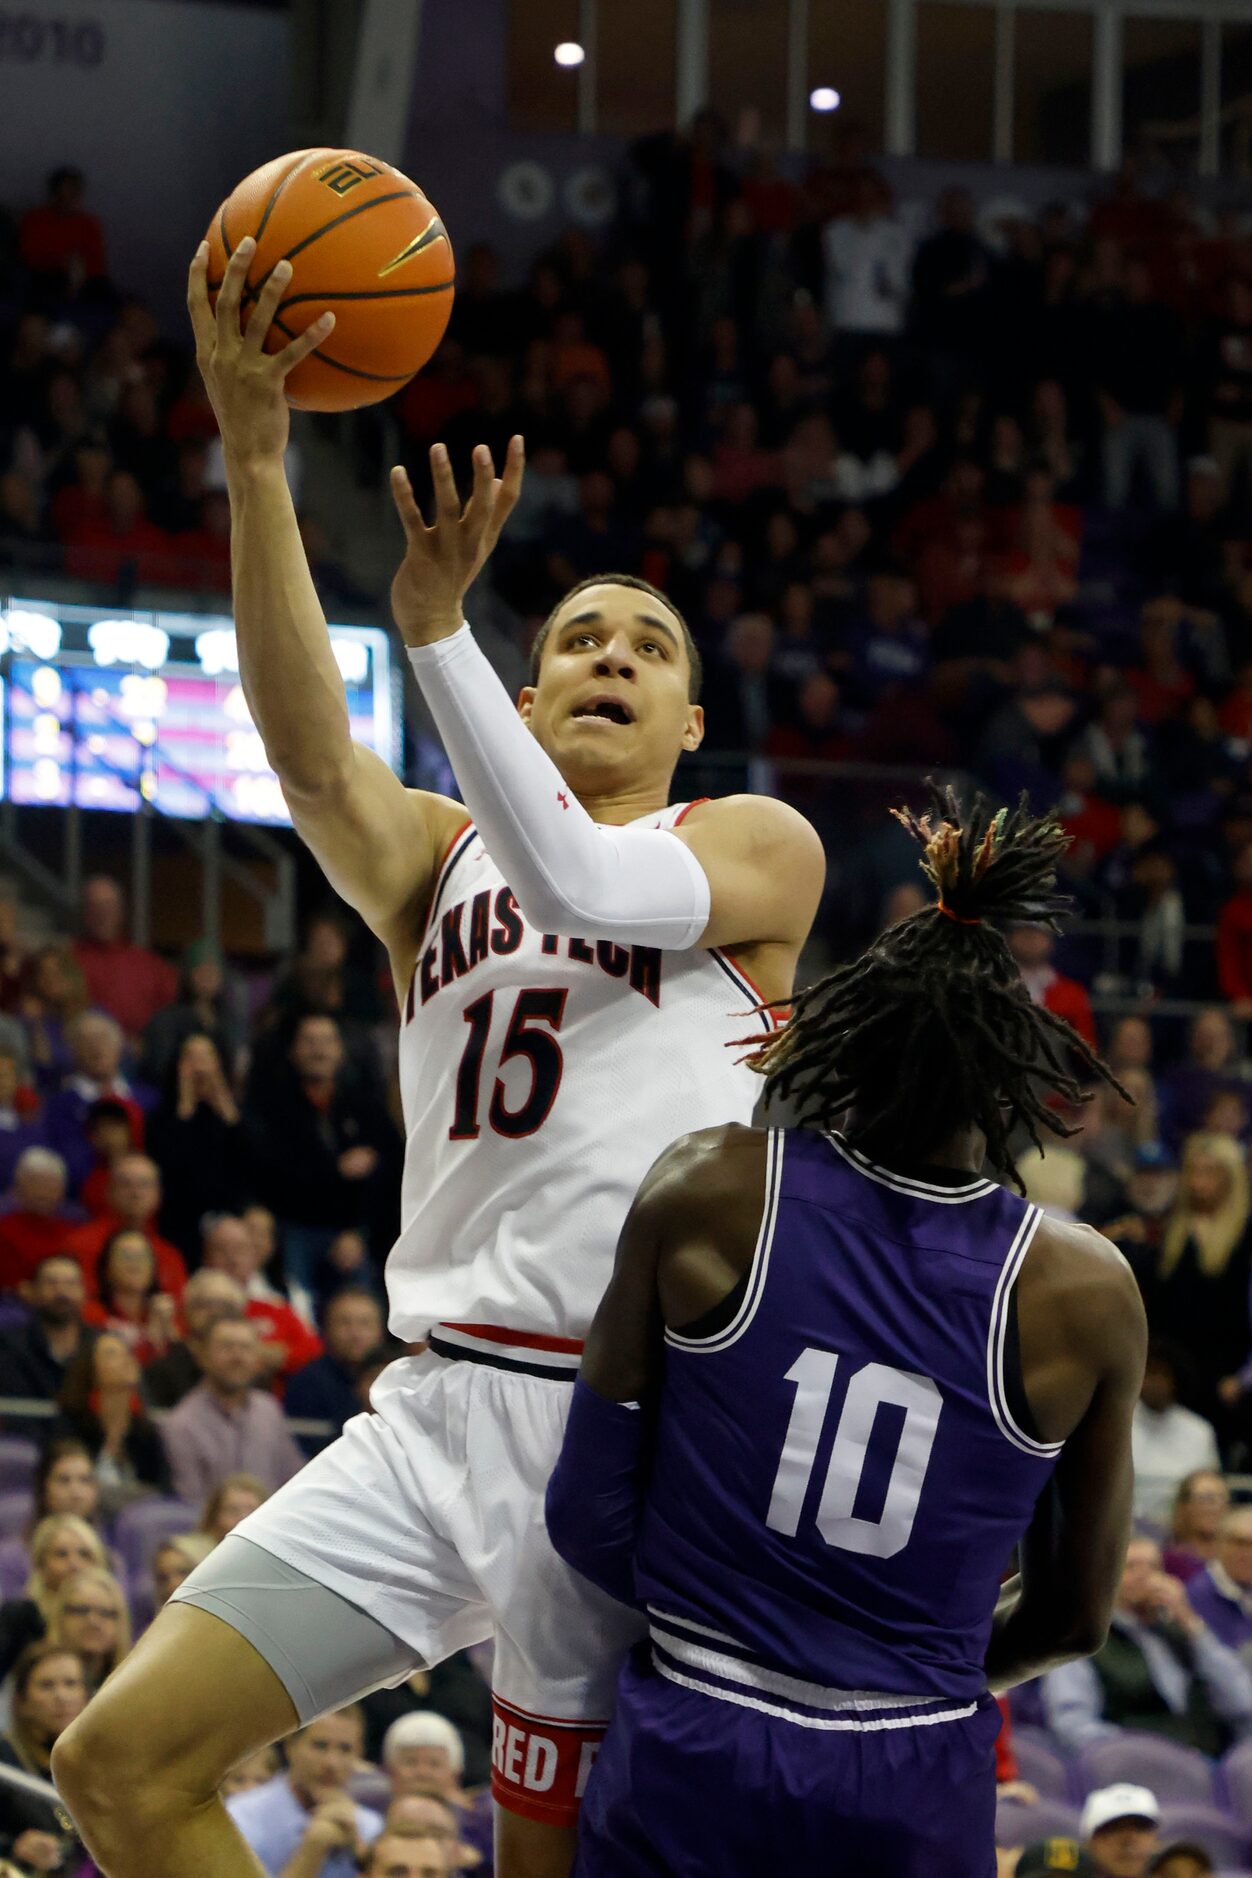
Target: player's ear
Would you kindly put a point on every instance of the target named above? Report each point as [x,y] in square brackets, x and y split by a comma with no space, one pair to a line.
[525,702]
[693,735]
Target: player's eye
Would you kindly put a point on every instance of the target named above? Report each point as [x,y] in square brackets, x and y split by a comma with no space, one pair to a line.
[654,645]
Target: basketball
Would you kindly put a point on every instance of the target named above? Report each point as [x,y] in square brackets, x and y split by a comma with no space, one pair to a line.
[365,244]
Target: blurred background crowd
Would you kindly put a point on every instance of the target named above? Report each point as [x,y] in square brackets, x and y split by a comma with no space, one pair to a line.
[960,484]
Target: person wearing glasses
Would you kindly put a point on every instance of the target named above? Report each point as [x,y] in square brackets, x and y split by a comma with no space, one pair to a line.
[88,1615]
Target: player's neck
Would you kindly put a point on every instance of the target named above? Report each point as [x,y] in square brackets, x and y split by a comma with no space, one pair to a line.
[616,807]
[962,1152]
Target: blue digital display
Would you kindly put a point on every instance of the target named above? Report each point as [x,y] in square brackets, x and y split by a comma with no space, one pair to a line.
[105,709]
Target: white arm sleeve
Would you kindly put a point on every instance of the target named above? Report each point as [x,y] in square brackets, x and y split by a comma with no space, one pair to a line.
[568,874]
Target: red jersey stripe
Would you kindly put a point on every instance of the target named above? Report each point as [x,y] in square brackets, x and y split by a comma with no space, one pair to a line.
[520,1339]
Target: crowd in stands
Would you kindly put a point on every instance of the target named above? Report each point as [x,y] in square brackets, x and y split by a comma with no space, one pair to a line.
[181,1325]
[932,489]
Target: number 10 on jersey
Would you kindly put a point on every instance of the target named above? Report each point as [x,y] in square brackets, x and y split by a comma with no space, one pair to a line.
[813,1374]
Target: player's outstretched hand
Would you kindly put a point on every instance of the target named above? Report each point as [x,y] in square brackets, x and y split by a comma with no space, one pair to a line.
[244,382]
[440,562]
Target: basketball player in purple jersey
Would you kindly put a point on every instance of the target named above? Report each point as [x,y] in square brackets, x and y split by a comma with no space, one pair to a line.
[837,1378]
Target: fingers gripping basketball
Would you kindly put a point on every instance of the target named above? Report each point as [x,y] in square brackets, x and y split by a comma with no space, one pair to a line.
[363,243]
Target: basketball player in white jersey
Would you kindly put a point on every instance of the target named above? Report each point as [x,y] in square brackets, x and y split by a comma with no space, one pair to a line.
[572,957]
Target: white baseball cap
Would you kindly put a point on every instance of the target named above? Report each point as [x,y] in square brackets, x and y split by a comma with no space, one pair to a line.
[1123,1801]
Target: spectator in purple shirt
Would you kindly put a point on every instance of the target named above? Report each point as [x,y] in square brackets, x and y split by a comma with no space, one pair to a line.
[1222,1593]
[224,1425]
[97,1045]
[1211,1068]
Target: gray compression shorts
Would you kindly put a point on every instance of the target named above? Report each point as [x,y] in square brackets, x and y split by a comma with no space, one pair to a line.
[325,1651]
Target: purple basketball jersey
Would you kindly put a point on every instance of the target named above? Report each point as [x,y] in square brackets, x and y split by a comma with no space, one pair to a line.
[840,1477]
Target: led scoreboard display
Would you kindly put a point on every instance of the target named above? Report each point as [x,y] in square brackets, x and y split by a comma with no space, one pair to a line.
[106,708]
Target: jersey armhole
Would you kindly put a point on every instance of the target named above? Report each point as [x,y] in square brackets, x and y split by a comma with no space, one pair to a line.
[1014,1388]
[729,1321]
[1005,1389]
[718,1317]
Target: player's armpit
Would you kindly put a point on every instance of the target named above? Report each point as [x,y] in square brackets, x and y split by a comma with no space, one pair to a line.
[379,844]
[622,1356]
[766,868]
[688,1236]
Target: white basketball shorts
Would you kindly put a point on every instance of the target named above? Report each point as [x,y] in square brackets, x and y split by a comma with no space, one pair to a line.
[428,1515]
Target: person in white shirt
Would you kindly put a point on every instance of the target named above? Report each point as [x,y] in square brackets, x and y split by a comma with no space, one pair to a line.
[303,1823]
[1161,1670]
[867,259]
[1168,1442]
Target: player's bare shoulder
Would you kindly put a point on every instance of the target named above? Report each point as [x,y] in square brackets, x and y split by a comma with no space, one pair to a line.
[766,866]
[1081,1322]
[760,826]
[710,1166]
[704,1197]
[1078,1272]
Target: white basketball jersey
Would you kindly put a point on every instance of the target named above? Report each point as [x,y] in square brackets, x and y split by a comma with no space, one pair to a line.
[541,1076]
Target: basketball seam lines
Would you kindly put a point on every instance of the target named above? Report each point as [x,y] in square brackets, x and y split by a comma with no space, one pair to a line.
[277,191]
[397,195]
[383,293]
[378,378]
[254,293]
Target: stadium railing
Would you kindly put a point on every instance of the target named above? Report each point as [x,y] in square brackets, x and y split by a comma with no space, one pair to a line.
[34,1408]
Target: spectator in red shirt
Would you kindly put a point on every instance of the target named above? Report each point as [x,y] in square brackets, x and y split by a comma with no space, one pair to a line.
[203,552]
[437,395]
[1235,715]
[740,465]
[134,1200]
[112,1128]
[1161,683]
[192,415]
[1093,824]
[124,542]
[127,980]
[287,1344]
[38,1222]
[61,242]
[1032,946]
[84,503]
[1234,939]
[819,730]
[576,356]
[130,1302]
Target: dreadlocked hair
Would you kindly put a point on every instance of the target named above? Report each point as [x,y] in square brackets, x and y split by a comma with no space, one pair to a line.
[931,1029]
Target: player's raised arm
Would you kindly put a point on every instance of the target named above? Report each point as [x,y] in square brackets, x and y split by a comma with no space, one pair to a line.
[743,870]
[377,841]
[1089,1322]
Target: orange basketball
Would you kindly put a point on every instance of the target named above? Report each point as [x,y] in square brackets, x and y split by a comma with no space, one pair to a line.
[364,244]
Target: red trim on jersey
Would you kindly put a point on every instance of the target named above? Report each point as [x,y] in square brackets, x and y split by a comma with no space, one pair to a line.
[539,1764]
[440,882]
[687,808]
[521,1340]
[776,1008]
[443,858]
